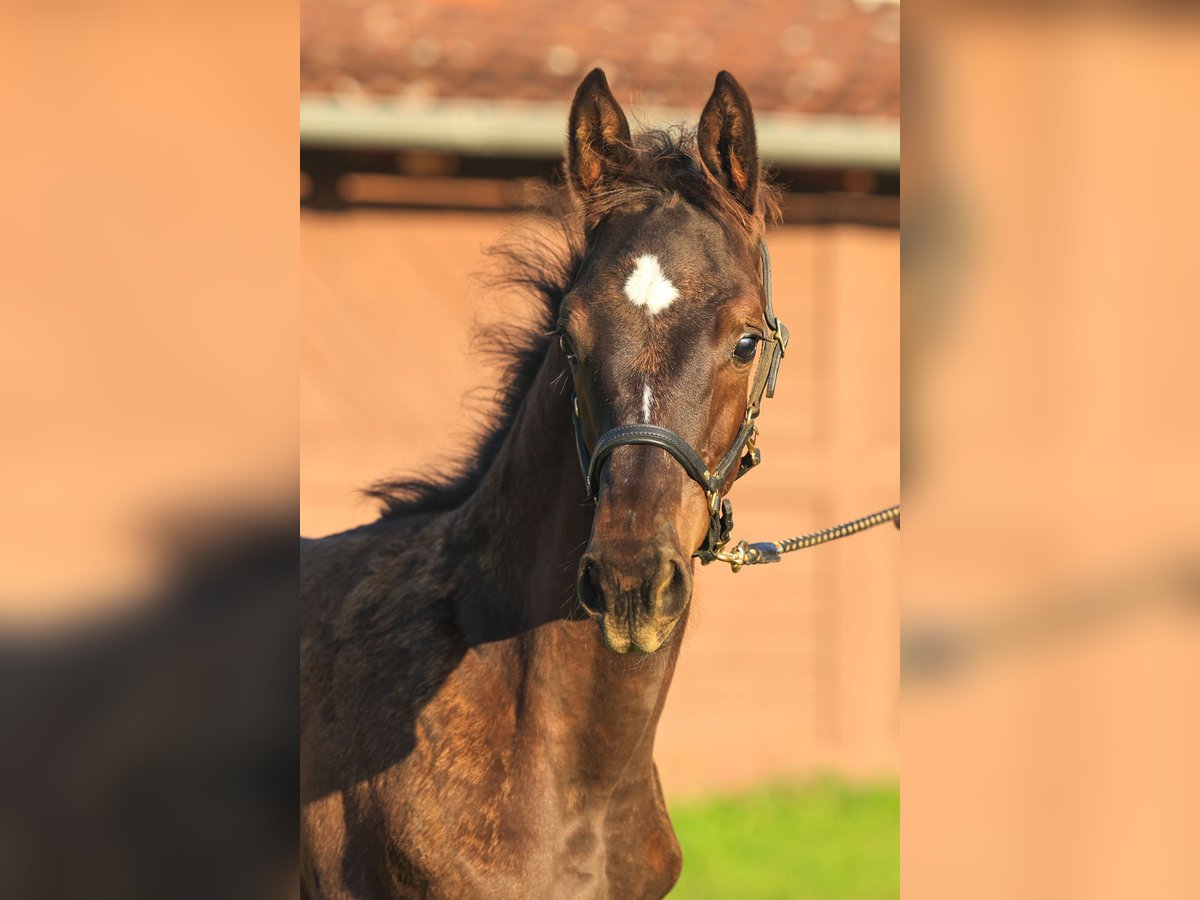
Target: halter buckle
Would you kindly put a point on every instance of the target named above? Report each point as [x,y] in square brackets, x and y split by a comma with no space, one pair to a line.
[737,557]
[781,342]
[752,450]
[747,554]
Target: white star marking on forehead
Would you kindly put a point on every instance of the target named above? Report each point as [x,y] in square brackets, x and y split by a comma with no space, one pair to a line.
[648,287]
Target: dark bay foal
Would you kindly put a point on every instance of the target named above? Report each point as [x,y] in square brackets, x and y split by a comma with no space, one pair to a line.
[466,728]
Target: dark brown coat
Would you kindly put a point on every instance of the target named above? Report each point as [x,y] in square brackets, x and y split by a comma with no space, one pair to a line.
[466,730]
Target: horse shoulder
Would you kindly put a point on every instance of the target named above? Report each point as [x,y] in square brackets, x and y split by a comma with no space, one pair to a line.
[377,644]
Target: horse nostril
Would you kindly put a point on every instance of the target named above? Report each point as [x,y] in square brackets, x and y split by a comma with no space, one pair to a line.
[590,593]
[675,588]
[678,580]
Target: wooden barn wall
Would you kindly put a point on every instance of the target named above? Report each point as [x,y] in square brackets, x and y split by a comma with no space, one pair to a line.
[787,671]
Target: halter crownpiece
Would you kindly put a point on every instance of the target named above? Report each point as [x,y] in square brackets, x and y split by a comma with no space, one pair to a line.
[742,454]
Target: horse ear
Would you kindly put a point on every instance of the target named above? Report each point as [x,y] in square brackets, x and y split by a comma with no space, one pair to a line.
[598,143]
[727,142]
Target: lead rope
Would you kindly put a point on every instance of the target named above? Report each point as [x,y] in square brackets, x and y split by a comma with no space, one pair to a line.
[746,554]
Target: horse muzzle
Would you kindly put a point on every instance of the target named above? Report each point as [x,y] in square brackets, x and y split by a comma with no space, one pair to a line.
[637,591]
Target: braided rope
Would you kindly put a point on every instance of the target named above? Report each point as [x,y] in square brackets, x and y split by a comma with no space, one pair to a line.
[812,539]
[747,554]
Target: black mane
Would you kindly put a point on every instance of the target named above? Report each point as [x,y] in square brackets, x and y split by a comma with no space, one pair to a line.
[543,266]
[665,164]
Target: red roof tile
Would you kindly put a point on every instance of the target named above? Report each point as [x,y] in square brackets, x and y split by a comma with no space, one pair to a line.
[821,57]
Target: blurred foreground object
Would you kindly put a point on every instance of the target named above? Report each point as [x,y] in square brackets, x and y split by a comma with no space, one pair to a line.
[147,370]
[1051,487]
[153,754]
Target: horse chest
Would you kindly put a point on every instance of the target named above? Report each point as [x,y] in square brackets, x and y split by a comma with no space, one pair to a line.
[507,814]
[517,851]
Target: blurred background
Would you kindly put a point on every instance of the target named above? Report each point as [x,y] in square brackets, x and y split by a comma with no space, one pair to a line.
[422,127]
[148,280]
[1051,396]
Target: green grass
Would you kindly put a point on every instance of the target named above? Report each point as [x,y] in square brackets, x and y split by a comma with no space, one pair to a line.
[825,840]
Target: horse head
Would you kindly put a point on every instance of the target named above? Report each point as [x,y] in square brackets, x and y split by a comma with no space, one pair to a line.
[668,335]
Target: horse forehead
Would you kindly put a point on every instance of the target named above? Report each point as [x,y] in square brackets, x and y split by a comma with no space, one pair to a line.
[652,277]
[660,306]
[648,286]
[656,349]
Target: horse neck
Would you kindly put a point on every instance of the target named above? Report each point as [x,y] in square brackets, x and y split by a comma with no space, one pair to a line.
[528,522]
[527,526]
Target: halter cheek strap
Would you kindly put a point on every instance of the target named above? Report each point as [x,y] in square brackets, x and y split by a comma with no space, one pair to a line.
[742,453]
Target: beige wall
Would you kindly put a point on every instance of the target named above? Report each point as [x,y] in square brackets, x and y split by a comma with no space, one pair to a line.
[786,670]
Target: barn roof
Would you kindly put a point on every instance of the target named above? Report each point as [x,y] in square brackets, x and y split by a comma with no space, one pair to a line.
[826,58]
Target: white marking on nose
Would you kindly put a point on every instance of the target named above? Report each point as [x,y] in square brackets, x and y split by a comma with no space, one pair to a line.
[647,399]
[648,287]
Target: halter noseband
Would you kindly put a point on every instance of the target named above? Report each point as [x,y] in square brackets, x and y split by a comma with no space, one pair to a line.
[742,454]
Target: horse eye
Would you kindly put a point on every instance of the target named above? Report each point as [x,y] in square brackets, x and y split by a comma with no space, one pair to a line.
[565,343]
[746,347]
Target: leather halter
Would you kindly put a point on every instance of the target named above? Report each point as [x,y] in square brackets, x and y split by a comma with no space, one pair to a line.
[741,457]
